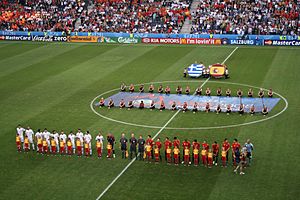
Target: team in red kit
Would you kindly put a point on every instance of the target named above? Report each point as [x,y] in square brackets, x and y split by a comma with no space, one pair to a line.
[175,152]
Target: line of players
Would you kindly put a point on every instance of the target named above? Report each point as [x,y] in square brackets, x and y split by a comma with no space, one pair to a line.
[150,151]
[45,142]
[80,144]
[198,91]
[207,108]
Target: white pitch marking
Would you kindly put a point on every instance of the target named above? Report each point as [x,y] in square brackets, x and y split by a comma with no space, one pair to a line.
[230,55]
[132,161]
[160,130]
[194,128]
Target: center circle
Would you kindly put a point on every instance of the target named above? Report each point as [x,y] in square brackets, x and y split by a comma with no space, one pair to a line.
[190,128]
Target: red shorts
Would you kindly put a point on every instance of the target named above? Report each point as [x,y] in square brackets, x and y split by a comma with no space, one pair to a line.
[186,158]
[169,157]
[109,152]
[210,160]
[53,149]
[87,150]
[79,149]
[62,149]
[99,151]
[45,149]
[70,150]
[156,157]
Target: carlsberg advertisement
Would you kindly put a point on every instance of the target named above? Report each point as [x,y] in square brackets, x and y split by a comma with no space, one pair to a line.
[121,40]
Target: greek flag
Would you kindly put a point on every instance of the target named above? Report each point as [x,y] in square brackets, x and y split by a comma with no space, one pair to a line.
[195,70]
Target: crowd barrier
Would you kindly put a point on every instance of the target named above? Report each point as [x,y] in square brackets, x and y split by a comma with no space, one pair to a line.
[151,38]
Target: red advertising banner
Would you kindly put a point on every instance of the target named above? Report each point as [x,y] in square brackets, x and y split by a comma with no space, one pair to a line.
[197,41]
[200,41]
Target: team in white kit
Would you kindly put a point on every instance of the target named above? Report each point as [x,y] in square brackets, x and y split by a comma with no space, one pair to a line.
[59,142]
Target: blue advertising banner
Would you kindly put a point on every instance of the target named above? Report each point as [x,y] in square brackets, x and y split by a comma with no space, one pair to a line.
[239,42]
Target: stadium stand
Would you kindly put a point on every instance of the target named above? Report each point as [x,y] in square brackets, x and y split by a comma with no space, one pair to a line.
[261,17]
[243,17]
[40,15]
[147,16]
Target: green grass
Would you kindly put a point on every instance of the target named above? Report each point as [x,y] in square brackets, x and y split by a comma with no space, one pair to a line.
[51,85]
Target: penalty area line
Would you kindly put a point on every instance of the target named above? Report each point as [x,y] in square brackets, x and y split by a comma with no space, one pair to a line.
[160,130]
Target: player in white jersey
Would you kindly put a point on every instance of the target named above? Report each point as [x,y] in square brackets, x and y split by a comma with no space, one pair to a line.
[46,136]
[38,134]
[63,137]
[71,136]
[79,135]
[20,131]
[30,134]
[88,139]
[100,138]
[55,135]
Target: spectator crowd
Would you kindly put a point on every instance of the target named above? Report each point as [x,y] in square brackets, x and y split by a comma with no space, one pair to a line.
[243,17]
[261,17]
[40,15]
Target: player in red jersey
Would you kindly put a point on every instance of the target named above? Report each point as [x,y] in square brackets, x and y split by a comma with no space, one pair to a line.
[226,146]
[151,143]
[186,145]
[215,149]
[167,144]
[176,143]
[158,144]
[235,146]
[196,145]
[205,145]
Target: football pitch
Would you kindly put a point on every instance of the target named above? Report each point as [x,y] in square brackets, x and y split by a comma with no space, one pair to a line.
[55,86]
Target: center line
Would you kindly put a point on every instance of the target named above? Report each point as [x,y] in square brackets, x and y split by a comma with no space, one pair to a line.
[160,130]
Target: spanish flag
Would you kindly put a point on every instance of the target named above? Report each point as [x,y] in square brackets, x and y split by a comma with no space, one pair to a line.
[217,70]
